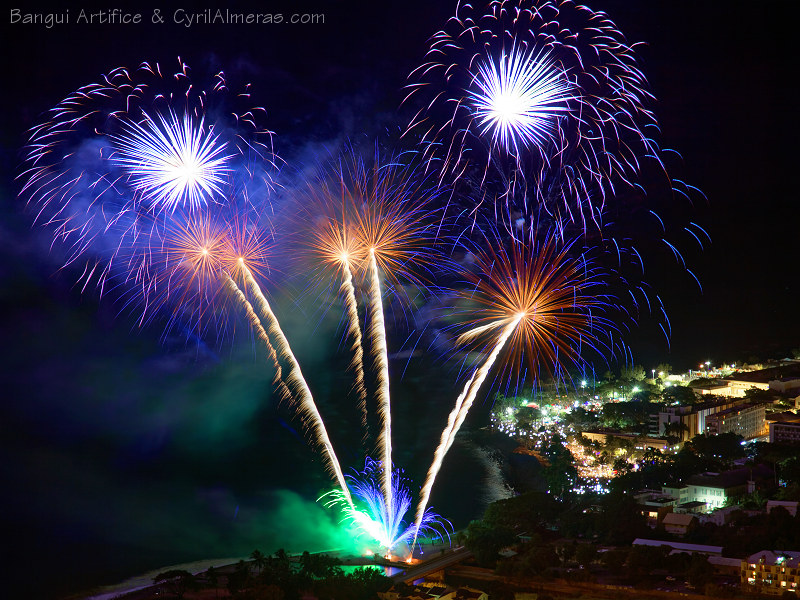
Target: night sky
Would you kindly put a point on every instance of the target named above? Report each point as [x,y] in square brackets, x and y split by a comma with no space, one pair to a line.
[122,450]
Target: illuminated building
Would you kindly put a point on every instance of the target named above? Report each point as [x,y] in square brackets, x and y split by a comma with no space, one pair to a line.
[784,432]
[717,489]
[772,573]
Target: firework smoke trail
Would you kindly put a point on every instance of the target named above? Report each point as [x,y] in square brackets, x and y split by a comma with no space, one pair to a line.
[541,304]
[386,201]
[258,327]
[306,401]
[354,329]
[336,250]
[457,416]
[380,350]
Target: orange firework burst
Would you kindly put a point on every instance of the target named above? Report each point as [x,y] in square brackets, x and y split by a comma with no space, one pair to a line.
[550,290]
[246,245]
[536,306]
[193,257]
[391,221]
[383,206]
[374,224]
[335,245]
[183,268]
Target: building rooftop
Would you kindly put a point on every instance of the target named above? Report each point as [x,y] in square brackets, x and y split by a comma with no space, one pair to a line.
[679,519]
[766,375]
[776,557]
[732,478]
[691,548]
[723,561]
[786,416]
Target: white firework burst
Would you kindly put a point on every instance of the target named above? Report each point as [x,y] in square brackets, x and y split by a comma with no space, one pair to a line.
[172,161]
[520,99]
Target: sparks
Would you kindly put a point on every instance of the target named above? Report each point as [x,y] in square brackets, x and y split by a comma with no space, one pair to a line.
[171,161]
[375,519]
[519,99]
[537,301]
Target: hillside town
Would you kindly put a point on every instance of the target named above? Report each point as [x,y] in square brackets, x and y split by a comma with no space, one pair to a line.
[623,486]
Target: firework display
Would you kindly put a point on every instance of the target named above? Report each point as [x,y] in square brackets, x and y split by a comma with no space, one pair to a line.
[113,155]
[540,306]
[382,520]
[168,192]
[542,96]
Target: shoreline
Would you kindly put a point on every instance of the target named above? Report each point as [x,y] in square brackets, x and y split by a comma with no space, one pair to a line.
[145,580]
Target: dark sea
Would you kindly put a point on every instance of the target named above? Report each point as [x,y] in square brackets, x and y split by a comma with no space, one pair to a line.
[122,452]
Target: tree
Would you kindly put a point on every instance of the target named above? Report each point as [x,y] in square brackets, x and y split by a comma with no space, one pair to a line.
[524,513]
[614,559]
[176,581]
[679,394]
[239,579]
[758,396]
[319,565]
[632,373]
[528,417]
[725,447]
[586,554]
[664,368]
[643,559]
[539,560]
[213,579]
[567,551]
[561,476]
[700,571]
[675,431]
[259,559]
[485,541]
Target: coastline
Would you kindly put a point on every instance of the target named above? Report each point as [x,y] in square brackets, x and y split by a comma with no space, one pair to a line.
[145,580]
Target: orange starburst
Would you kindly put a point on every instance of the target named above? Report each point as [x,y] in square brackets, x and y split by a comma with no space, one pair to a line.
[552,292]
[193,254]
[246,245]
[383,207]
[391,220]
[336,247]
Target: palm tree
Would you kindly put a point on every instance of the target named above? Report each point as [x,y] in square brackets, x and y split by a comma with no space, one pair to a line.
[213,580]
[259,559]
[674,431]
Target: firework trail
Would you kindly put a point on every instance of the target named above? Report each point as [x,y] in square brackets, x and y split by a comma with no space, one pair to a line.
[457,416]
[354,329]
[308,408]
[335,248]
[375,227]
[258,327]
[380,351]
[538,303]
